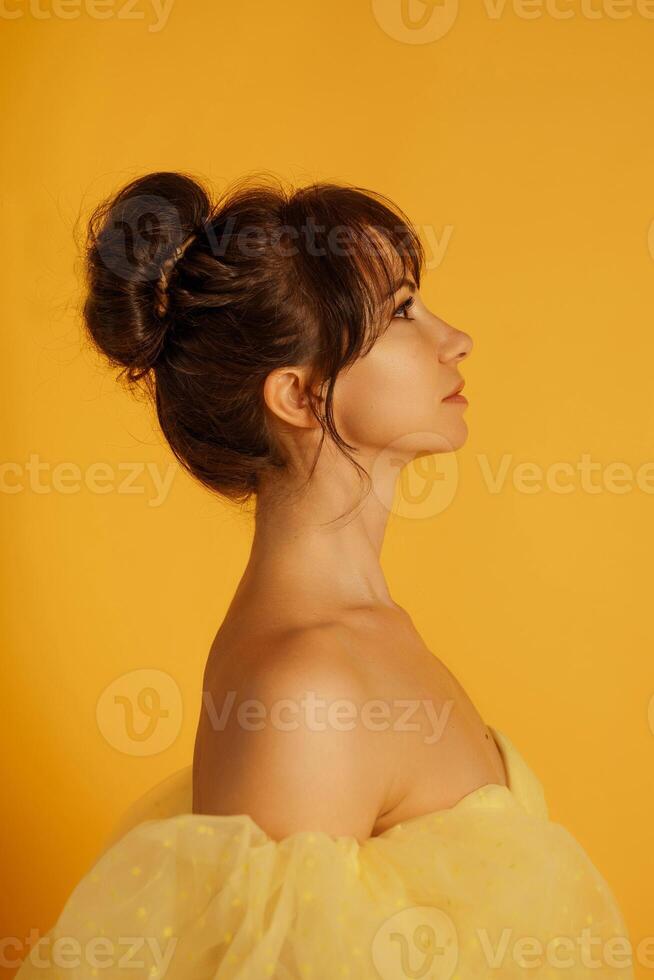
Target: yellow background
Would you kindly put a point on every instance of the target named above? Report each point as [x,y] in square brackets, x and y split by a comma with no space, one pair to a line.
[531,139]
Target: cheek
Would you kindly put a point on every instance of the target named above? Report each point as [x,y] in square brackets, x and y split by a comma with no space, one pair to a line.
[388,394]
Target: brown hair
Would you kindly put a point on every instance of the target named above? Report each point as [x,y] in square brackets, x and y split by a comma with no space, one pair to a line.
[200,300]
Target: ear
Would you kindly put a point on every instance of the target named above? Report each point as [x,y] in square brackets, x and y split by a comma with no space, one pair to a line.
[285,392]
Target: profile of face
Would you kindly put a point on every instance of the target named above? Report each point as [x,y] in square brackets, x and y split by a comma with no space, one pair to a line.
[397,394]
[401,396]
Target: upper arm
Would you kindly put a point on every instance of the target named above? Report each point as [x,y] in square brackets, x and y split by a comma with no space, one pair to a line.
[295,753]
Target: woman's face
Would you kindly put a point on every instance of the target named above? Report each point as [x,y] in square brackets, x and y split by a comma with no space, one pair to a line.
[397,394]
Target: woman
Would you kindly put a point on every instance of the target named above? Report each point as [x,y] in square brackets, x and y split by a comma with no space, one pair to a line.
[352,815]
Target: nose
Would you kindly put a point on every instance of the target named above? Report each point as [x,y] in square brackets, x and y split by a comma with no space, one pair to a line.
[456,344]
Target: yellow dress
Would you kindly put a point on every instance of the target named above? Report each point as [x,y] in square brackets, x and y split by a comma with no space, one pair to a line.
[490,888]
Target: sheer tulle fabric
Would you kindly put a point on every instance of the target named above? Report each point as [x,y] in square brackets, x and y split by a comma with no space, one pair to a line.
[488,888]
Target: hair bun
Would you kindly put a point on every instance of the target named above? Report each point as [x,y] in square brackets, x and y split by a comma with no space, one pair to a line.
[135,241]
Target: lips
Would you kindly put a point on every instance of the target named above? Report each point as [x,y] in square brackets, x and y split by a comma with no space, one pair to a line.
[455,391]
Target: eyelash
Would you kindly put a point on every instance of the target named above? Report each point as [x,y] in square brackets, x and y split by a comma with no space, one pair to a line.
[405,307]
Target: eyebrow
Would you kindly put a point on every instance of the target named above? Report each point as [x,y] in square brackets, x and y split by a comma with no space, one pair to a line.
[400,285]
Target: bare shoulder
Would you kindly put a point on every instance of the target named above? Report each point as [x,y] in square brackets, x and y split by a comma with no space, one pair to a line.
[293,752]
[322,656]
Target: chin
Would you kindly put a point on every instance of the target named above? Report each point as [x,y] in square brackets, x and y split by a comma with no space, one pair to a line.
[418,442]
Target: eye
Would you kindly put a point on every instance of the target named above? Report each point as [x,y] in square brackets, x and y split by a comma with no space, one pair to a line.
[403,310]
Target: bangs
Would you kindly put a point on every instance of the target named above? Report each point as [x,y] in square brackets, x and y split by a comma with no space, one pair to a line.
[354,249]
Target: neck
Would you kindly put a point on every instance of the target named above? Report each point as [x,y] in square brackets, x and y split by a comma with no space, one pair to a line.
[320,541]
